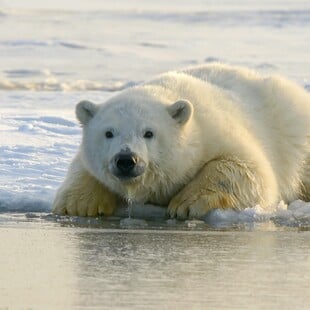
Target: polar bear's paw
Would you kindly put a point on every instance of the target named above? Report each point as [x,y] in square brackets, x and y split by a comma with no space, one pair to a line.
[212,188]
[190,205]
[91,200]
[69,203]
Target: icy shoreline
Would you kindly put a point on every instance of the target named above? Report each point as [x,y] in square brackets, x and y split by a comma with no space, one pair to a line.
[295,214]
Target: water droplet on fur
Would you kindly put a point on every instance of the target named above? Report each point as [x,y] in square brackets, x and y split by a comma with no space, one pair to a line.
[130,201]
[130,222]
[130,205]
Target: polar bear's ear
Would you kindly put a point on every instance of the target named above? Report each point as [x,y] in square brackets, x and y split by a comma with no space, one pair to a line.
[181,111]
[85,111]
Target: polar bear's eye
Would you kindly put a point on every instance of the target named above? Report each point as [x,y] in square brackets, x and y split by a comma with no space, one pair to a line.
[109,134]
[148,134]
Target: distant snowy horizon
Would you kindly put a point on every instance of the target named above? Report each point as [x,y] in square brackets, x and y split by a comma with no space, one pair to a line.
[106,46]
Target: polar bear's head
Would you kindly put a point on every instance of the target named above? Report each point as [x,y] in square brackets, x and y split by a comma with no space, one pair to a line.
[136,144]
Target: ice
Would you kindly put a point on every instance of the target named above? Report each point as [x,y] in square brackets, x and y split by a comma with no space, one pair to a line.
[76,46]
[295,214]
[54,84]
[61,52]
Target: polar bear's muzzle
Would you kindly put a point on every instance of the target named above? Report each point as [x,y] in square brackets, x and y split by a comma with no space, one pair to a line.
[127,165]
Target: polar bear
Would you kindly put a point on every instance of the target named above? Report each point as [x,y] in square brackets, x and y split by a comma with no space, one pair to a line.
[214,136]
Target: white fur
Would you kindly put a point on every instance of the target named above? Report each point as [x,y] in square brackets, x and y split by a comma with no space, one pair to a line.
[251,125]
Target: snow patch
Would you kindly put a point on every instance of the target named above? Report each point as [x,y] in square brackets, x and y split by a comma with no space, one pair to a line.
[295,214]
[53,84]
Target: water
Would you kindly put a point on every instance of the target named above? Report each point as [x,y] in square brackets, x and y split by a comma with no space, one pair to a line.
[130,200]
[67,266]
[54,54]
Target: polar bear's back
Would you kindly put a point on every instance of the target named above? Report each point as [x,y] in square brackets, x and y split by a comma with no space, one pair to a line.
[278,115]
[274,107]
[255,90]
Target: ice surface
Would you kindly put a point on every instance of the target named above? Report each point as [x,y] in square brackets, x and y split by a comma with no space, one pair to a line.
[104,45]
[62,52]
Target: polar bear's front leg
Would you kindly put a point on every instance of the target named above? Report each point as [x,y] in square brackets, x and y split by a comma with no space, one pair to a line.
[221,183]
[83,195]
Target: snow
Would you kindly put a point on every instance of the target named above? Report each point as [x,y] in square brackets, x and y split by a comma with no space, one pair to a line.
[37,143]
[61,53]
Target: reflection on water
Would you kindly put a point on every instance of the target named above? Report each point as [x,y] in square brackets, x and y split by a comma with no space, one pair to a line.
[46,264]
[191,270]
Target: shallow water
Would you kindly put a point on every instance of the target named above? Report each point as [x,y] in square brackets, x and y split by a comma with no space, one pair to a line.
[47,263]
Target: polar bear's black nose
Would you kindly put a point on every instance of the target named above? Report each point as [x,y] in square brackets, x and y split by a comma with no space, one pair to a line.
[126,162]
